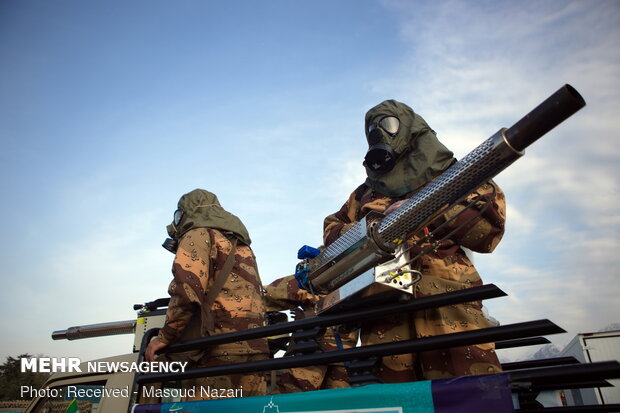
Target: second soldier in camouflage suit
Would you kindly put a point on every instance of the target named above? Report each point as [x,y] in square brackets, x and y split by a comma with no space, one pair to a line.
[206,234]
[285,294]
[404,155]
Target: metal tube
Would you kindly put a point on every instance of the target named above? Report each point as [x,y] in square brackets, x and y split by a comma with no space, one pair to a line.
[598,408]
[586,384]
[461,296]
[546,116]
[521,342]
[480,165]
[146,339]
[464,338]
[95,330]
[528,364]
[593,371]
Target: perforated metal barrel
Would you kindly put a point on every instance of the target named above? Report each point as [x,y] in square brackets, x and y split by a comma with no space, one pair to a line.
[480,165]
[338,262]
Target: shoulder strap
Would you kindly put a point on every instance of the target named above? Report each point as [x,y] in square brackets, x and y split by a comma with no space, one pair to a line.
[220,277]
[359,192]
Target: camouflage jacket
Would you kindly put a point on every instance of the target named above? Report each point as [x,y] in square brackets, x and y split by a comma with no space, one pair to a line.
[445,268]
[448,260]
[237,307]
[284,294]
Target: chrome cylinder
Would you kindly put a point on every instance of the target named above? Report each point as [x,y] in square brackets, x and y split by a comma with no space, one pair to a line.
[95,330]
[350,255]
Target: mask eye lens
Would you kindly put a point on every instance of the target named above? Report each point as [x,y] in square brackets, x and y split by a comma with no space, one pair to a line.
[372,127]
[178,214]
[390,124]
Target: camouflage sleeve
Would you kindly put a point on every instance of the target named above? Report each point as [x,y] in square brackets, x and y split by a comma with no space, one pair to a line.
[484,232]
[191,273]
[284,294]
[338,223]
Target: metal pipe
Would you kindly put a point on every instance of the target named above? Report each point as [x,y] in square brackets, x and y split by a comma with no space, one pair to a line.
[146,339]
[546,116]
[528,364]
[521,342]
[480,165]
[596,408]
[586,384]
[573,372]
[455,297]
[465,338]
[95,330]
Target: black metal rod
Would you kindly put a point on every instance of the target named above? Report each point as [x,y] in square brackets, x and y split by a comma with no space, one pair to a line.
[520,342]
[529,364]
[575,409]
[469,294]
[146,338]
[152,305]
[546,116]
[576,372]
[588,384]
[486,335]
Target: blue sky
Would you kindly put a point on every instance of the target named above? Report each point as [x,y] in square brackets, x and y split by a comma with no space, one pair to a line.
[110,111]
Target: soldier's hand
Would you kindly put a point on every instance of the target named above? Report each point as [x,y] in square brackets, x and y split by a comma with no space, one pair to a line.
[154,345]
[395,206]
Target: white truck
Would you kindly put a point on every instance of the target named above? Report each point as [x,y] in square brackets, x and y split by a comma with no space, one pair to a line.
[591,348]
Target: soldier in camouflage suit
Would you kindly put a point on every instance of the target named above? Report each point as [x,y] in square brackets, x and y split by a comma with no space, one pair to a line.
[285,294]
[206,234]
[404,155]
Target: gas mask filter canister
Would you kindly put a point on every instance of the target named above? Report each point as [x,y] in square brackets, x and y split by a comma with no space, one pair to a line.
[381,157]
[172,244]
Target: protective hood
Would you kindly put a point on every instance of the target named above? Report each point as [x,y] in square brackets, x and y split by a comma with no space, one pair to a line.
[202,209]
[420,156]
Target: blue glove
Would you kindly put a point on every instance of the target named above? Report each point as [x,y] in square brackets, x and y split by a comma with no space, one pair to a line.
[301,275]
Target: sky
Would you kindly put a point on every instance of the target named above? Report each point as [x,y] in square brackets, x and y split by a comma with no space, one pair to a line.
[110,111]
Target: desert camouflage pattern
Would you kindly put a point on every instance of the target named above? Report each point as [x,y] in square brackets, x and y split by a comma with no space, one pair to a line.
[239,305]
[446,268]
[285,294]
[241,385]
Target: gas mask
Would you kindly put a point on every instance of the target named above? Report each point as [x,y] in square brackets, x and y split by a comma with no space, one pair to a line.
[381,157]
[172,243]
[404,152]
